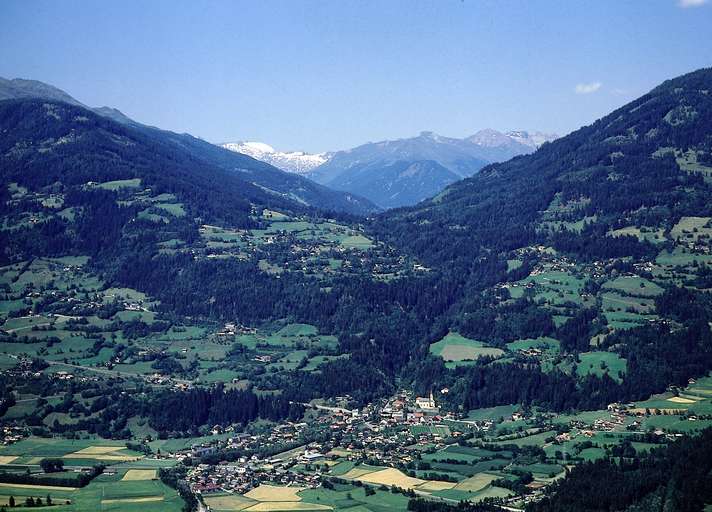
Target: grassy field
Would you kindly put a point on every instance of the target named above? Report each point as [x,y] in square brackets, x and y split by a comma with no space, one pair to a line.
[598,363]
[633,285]
[118,184]
[354,499]
[106,492]
[543,343]
[456,349]
[74,452]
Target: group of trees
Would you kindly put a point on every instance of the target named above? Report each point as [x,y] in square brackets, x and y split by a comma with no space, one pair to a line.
[30,502]
[676,477]
[72,480]
[186,411]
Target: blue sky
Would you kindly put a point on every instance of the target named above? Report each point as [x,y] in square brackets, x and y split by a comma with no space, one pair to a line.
[321,75]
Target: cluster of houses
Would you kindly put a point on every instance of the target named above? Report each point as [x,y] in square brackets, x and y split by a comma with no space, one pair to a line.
[379,432]
[245,474]
[233,329]
[10,434]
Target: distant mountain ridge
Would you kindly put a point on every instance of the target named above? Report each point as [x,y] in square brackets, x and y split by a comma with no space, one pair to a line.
[297,162]
[20,88]
[364,170]
[269,179]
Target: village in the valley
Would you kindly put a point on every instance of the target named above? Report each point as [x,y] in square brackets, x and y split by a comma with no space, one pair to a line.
[406,444]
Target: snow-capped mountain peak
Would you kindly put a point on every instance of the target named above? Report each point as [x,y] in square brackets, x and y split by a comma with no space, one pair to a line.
[291,161]
[492,138]
[250,148]
[531,139]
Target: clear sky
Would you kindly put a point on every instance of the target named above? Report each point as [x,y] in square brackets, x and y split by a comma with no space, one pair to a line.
[322,75]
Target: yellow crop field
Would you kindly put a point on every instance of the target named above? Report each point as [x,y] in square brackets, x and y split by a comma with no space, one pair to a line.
[356,473]
[435,485]
[285,506]
[234,502]
[680,400]
[97,450]
[274,493]
[140,474]
[7,459]
[133,500]
[392,476]
[476,482]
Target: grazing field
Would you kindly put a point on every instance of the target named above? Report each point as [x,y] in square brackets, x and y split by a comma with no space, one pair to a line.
[634,285]
[354,499]
[492,413]
[456,349]
[643,234]
[691,228]
[267,498]
[359,471]
[543,343]
[598,363]
[552,287]
[106,492]
[118,184]
[682,257]
[59,447]
[474,496]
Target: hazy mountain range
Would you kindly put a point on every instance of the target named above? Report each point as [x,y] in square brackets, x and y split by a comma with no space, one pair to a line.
[401,172]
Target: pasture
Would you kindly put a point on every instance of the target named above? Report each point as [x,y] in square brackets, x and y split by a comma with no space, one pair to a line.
[691,229]
[643,234]
[599,363]
[544,343]
[456,349]
[74,452]
[106,492]
[634,285]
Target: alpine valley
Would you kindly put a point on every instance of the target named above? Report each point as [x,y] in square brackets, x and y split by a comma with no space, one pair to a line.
[401,172]
[186,327]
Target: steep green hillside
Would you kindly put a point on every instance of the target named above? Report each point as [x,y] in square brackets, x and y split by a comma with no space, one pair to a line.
[647,165]
[595,241]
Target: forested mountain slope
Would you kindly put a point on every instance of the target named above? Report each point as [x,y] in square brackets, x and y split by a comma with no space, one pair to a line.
[395,184]
[265,176]
[578,258]
[648,163]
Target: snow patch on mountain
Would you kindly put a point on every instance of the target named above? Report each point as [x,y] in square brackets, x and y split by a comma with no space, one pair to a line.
[297,162]
[493,139]
[531,139]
